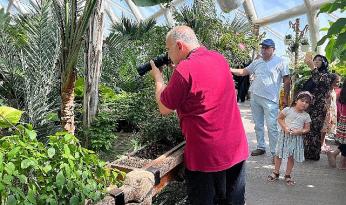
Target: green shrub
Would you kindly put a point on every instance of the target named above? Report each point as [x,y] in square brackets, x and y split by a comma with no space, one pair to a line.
[59,172]
[102,131]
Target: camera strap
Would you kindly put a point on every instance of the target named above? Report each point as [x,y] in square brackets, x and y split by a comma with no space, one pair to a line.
[193,50]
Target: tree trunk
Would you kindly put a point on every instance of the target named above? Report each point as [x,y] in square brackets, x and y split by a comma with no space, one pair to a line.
[67,103]
[93,60]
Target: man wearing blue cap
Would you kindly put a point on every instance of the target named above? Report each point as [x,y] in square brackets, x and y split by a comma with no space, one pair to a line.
[269,72]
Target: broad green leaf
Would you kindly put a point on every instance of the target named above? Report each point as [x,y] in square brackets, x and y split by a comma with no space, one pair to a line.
[68,137]
[74,200]
[337,26]
[31,133]
[7,179]
[11,200]
[323,39]
[51,152]
[67,151]
[31,196]
[25,163]
[13,152]
[60,179]
[79,87]
[9,116]
[341,40]
[23,179]
[329,49]
[2,187]
[9,167]
[47,168]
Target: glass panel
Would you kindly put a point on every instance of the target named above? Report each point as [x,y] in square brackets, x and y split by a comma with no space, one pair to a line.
[120,12]
[161,20]
[149,10]
[271,7]
[120,8]
[4,3]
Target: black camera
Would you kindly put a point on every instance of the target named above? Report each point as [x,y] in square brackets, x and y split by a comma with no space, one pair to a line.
[159,61]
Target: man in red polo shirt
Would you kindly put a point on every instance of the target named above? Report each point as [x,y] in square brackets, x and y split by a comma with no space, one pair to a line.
[201,90]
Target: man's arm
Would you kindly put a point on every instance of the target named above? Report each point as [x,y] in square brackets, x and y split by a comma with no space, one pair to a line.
[287,88]
[159,87]
[240,72]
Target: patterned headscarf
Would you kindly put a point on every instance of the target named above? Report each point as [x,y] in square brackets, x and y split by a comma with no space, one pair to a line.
[309,85]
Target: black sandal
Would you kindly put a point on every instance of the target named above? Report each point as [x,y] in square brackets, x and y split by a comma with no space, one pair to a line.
[289,181]
[273,177]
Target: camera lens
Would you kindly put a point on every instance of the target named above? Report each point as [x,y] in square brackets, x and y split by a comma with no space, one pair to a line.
[159,61]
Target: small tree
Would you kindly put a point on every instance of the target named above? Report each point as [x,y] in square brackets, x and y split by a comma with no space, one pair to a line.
[73,17]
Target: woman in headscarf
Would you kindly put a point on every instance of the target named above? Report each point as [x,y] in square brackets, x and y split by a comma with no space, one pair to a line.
[318,85]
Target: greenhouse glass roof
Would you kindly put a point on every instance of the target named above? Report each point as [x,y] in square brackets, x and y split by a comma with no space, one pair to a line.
[273,16]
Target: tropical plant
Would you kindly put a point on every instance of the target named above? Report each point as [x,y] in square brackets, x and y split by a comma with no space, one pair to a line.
[59,172]
[133,30]
[199,17]
[31,77]
[11,39]
[73,18]
[336,35]
[39,56]
[339,69]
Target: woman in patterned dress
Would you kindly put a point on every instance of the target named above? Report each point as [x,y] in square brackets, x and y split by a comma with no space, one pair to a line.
[318,85]
[340,132]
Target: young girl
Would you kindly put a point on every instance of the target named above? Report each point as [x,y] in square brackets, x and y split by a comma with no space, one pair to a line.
[340,131]
[294,122]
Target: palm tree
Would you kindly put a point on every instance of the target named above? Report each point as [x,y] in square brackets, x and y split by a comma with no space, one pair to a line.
[73,18]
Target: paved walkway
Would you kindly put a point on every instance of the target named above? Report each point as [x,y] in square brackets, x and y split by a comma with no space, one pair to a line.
[316,183]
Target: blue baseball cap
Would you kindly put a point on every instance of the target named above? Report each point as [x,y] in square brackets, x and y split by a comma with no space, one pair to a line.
[268,43]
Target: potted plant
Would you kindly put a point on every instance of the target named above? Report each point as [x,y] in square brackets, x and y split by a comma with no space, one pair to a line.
[304,44]
[288,39]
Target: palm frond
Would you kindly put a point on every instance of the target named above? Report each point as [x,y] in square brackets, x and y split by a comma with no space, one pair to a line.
[240,24]
[11,89]
[132,29]
[39,56]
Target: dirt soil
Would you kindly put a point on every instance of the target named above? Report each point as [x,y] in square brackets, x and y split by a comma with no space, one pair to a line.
[173,194]
[133,162]
[153,151]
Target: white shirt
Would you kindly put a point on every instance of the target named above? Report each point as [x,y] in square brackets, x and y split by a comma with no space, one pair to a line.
[268,77]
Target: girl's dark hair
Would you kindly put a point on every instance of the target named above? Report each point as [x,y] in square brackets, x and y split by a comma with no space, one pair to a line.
[333,77]
[342,97]
[303,95]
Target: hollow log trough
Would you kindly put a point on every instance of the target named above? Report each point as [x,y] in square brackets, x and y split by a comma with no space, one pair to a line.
[142,183]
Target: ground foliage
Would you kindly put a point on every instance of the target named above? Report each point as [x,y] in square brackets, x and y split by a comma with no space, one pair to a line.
[59,172]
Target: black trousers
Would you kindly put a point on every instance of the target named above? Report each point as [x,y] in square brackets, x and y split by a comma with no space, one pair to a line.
[217,188]
[342,148]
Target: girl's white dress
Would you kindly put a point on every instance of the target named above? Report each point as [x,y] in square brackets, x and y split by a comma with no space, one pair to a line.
[292,145]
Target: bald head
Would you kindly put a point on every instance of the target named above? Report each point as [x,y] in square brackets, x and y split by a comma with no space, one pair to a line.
[184,34]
